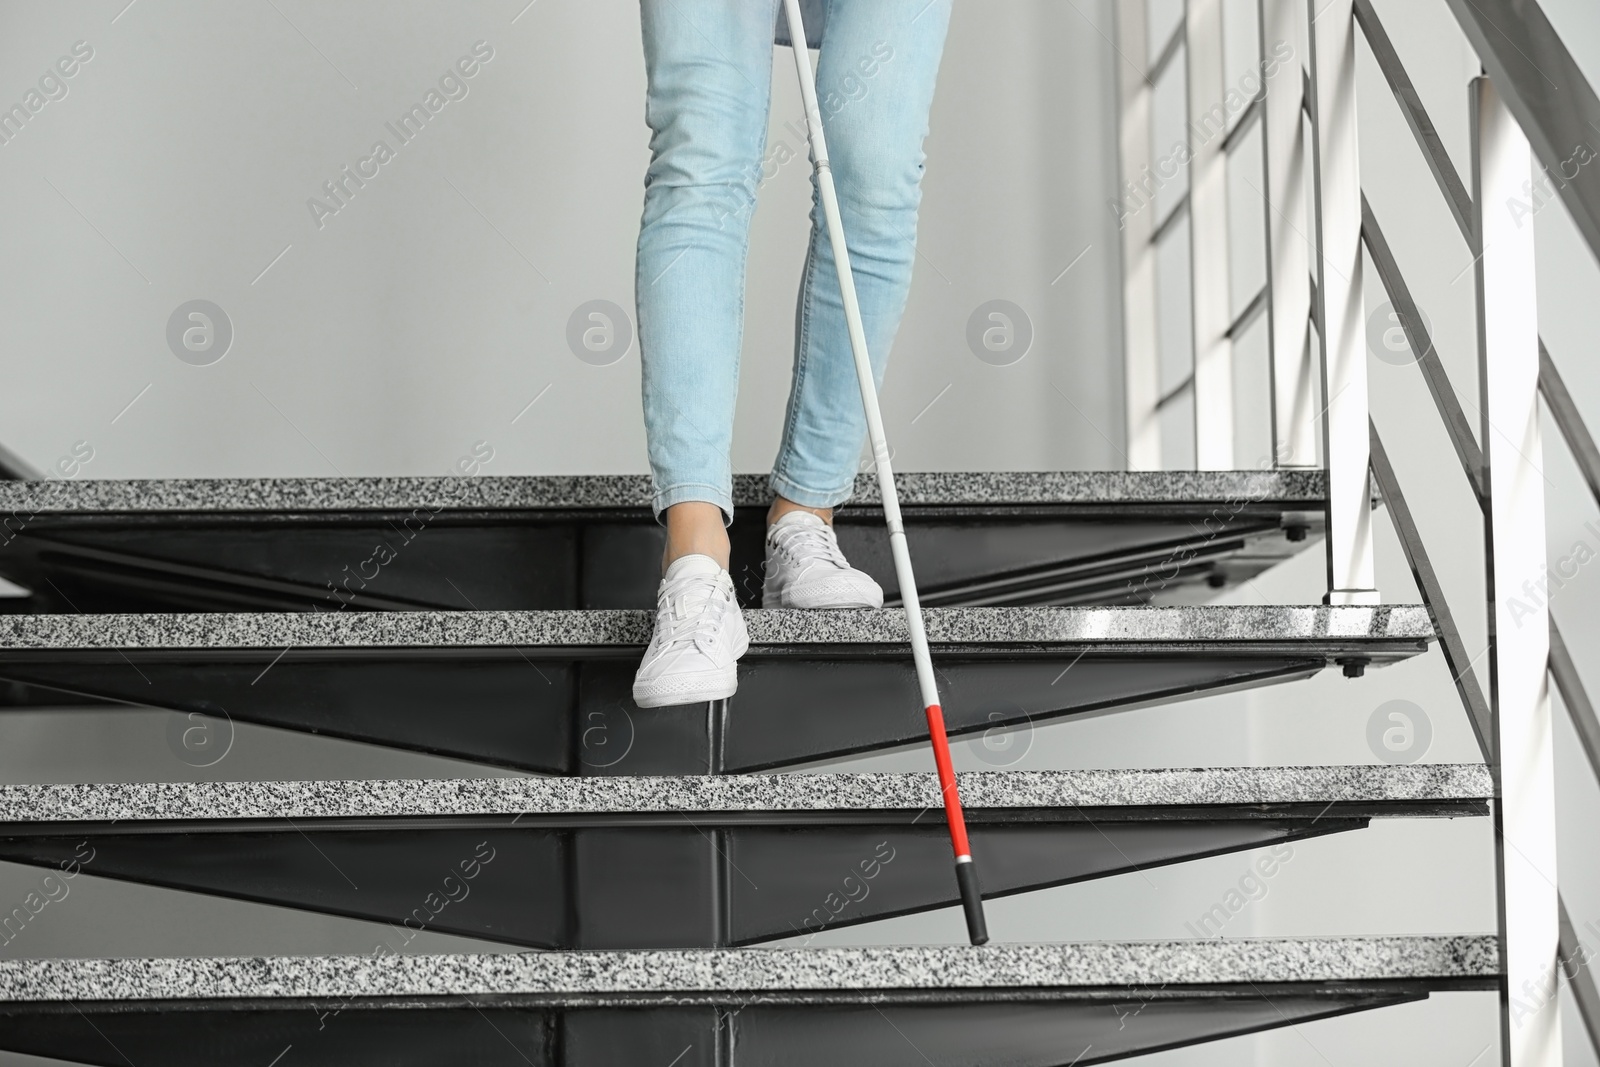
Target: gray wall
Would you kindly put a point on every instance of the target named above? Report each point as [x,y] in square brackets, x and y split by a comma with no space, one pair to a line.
[429,311]
[427,314]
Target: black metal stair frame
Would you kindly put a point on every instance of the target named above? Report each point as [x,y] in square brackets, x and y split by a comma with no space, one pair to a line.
[648,889]
[545,543]
[1024,1005]
[550,691]
[687,862]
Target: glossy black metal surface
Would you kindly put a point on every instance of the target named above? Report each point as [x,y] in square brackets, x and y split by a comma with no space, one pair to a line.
[1051,1028]
[664,880]
[1036,554]
[570,711]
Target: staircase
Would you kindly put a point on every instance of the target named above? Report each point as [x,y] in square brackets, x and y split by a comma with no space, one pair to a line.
[653,883]
[651,864]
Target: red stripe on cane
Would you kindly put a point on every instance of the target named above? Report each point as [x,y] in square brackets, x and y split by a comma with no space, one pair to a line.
[947,784]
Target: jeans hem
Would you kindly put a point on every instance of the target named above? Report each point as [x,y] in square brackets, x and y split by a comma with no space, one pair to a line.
[684,492]
[811,498]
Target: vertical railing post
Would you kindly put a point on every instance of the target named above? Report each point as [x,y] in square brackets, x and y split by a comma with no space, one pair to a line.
[1288,256]
[1211,301]
[1519,621]
[1135,208]
[1340,306]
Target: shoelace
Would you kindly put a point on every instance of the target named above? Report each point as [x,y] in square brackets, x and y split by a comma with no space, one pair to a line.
[675,629]
[807,544]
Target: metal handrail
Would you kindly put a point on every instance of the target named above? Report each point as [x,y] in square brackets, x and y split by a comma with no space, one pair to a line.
[1545,91]
[1558,400]
[1433,598]
[1427,135]
[1575,697]
[1469,453]
[1247,120]
[1569,421]
[1516,117]
[1247,317]
[14,468]
[1579,977]
[1164,57]
[1170,219]
[1433,372]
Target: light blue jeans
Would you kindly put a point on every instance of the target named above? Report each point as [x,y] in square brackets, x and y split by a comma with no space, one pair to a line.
[710,69]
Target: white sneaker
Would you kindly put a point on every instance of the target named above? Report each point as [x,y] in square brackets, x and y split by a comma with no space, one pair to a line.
[805,568]
[699,637]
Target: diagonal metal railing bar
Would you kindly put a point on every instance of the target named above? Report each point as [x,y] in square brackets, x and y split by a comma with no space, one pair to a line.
[1175,392]
[1165,56]
[1569,420]
[1252,311]
[1444,623]
[1562,409]
[1546,92]
[1580,979]
[1428,139]
[1565,672]
[14,468]
[1433,372]
[1179,211]
[1560,402]
[1574,963]
[1241,129]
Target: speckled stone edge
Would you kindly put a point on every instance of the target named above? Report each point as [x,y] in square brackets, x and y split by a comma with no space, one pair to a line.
[1020,966]
[470,629]
[1303,488]
[1420,783]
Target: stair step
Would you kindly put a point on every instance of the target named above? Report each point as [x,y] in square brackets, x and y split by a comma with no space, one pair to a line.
[687,861]
[1031,1005]
[550,691]
[303,544]
[1421,783]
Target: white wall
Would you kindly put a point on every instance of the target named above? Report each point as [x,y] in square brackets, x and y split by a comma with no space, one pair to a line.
[427,313]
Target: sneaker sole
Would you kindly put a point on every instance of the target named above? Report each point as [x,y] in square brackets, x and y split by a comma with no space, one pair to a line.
[830,595]
[696,688]
[670,692]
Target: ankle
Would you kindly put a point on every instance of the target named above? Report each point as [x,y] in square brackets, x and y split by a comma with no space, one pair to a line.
[782,506]
[695,528]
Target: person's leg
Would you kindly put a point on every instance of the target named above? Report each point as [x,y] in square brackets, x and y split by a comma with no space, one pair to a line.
[709,67]
[875,83]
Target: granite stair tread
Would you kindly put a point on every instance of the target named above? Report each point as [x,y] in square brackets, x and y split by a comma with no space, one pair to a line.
[956,488]
[1012,966]
[1421,784]
[1099,626]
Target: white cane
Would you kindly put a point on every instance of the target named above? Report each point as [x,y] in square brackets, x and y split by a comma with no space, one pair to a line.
[966,873]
